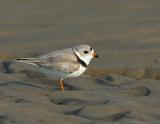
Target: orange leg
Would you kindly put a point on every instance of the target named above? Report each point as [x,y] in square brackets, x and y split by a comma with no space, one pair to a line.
[61,85]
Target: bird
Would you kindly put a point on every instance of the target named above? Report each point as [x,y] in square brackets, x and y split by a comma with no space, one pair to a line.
[63,63]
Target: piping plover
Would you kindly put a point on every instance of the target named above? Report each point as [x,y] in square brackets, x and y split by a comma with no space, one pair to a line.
[65,63]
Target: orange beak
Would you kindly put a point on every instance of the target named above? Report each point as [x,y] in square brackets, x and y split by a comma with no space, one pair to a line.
[94,55]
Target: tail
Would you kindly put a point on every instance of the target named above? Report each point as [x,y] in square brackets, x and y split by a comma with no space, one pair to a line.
[31,61]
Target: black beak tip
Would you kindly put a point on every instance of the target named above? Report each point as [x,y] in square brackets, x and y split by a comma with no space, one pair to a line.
[96,56]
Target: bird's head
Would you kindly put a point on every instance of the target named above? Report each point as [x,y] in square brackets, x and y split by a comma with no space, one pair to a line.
[85,52]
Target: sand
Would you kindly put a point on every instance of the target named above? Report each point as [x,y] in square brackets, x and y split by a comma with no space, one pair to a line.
[29,97]
[122,86]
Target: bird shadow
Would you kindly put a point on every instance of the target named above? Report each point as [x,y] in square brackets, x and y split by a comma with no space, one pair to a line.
[70,87]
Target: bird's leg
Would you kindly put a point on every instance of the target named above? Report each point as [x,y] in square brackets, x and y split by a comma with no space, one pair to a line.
[61,85]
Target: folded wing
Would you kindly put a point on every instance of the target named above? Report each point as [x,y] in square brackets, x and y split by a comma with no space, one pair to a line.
[57,63]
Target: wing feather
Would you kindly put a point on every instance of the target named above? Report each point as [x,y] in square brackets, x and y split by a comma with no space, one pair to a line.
[66,67]
[60,61]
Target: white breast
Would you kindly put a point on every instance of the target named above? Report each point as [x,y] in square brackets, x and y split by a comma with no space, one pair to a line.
[77,73]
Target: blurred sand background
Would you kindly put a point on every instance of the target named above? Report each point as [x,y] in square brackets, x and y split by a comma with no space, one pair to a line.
[125,34]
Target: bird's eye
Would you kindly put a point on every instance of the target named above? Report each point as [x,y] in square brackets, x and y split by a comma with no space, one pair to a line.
[91,49]
[85,52]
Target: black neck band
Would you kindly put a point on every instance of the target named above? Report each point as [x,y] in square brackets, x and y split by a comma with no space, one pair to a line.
[80,61]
